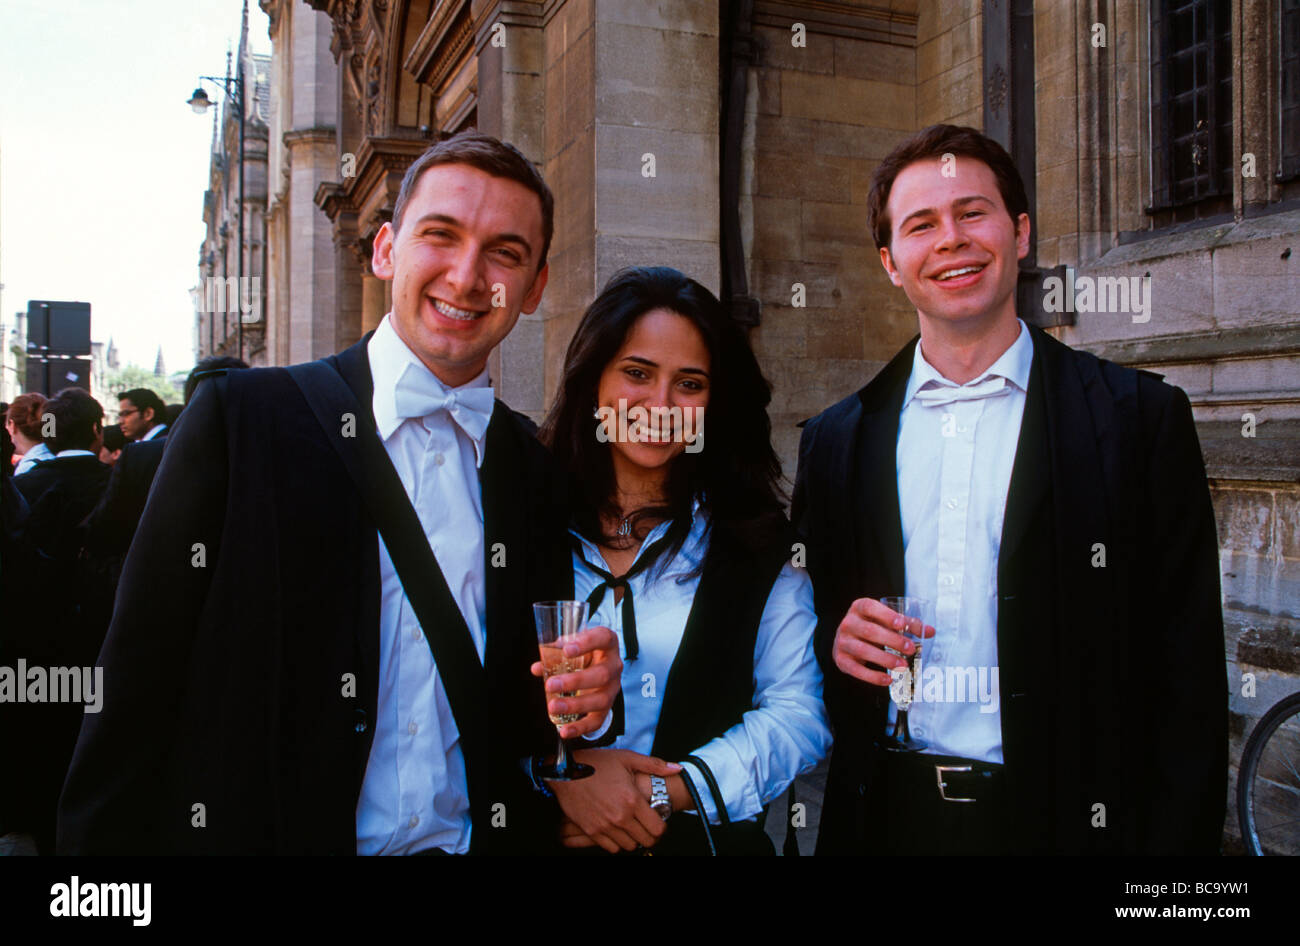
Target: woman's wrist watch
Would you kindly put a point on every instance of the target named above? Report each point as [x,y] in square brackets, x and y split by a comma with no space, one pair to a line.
[659,798]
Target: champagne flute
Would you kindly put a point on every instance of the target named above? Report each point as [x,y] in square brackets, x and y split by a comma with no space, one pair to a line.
[558,622]
[917,613]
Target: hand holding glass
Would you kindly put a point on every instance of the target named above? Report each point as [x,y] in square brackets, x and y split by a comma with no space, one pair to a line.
[918,614]
[558,622]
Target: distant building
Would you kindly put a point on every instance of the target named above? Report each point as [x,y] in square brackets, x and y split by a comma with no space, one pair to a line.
[232,277]
[13,335]
[103,362]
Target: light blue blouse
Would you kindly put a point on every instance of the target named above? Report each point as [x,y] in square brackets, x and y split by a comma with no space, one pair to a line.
[787,731]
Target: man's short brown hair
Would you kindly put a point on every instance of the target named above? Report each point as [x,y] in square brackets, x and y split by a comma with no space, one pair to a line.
[935,142]
[490,156]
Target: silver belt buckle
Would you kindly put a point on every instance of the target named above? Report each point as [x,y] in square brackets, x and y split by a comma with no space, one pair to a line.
[938,777]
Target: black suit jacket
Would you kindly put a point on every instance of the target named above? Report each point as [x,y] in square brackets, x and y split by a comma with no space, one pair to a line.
[248,604]
[114,520]
[61,493]
[61,629]
[1112,677]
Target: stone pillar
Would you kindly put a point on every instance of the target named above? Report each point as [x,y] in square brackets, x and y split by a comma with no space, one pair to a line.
[311,142]
[511,97]
[631,151]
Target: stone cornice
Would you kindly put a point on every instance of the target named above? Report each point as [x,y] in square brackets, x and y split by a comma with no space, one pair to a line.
[324,134]
[1251,341]
[871,21]
[380,165]
[441,44]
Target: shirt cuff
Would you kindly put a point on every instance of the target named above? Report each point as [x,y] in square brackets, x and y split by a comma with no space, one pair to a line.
[604,728]
[710,811]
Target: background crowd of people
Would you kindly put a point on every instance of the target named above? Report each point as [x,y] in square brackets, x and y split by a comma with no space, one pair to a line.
[73,492]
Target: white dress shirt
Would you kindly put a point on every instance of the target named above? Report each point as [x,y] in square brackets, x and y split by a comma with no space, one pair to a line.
[415,795]
[36,455]
[785,734]
[954,468]
[156,431]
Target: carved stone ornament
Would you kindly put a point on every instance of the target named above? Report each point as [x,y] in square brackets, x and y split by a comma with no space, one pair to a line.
[997,89]
[372,99]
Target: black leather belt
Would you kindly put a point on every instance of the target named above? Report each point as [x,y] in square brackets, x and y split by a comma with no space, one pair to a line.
[945,778]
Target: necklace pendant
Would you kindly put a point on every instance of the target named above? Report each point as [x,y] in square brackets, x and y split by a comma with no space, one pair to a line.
[625,527]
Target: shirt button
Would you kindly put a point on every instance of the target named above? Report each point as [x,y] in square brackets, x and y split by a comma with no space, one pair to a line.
[415,633]
[947,579]
[412,728]
[952,504]
[439,459]
[415,819]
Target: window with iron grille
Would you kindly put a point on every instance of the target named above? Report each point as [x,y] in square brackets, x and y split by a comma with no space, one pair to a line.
[1191,102]
[1289,90]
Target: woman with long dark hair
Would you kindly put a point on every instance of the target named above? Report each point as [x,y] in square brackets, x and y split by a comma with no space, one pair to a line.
[681,545]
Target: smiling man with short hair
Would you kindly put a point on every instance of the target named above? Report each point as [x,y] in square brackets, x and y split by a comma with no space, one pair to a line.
[276,680]
[1054,510]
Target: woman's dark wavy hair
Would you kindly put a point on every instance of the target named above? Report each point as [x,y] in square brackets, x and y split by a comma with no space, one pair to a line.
[736,475]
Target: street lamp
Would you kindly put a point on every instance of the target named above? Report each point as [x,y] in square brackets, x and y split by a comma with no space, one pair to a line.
[199,101]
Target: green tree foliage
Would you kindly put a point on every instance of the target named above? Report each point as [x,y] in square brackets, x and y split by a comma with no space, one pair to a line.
[133,376]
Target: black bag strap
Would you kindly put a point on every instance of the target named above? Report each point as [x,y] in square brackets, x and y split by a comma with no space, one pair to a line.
[718,801]
[426,589]
[699,809]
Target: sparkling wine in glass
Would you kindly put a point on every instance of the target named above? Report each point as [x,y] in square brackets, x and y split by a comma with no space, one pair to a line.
[558,622]
[917,614]
[554,663]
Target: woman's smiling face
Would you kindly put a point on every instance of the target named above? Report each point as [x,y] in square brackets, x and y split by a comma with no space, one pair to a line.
[663,364]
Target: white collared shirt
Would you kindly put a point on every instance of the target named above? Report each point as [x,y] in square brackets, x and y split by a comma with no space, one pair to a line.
[156,431]
[415,795]
[37,454]
[954,470]
[785,734]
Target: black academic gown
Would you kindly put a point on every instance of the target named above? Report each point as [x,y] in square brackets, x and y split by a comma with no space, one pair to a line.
[62,628]
[241,665]
[1110,632]
[115,518]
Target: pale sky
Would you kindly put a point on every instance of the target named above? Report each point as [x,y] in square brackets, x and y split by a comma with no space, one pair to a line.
[103,165]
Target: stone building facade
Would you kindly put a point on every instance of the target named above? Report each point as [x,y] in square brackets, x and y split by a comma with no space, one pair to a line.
[735,140]
[229,298]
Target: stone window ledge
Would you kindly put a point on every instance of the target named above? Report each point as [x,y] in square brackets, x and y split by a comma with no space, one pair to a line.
[1200,239]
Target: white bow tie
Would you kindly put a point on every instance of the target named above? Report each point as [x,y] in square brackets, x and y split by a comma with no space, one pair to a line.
[418,394]
[941,394]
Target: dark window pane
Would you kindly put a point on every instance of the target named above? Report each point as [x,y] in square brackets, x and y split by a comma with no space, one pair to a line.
[1289,88]
[1192,89]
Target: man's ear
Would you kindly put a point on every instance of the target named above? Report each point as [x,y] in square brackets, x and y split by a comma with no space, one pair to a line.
[1022,236]
[148,415]
[533,298]
[887,261]
[381,257]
